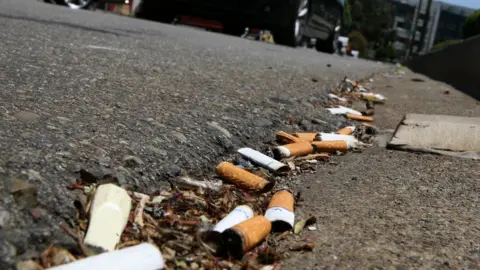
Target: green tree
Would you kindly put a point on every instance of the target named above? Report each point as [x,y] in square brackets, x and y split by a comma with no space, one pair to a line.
[373,18]
[444,44]
[471,27]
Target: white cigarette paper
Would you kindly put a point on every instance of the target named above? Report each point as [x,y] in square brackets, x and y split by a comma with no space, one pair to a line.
[343,110]
[261,159]
[332,96]
[141,257]
[351,140]
[280,214]
[109,216]
[238,215]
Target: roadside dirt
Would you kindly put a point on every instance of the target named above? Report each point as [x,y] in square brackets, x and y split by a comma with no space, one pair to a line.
[384,209]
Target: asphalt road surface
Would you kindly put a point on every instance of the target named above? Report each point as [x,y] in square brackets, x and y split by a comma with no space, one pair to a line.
[98,91]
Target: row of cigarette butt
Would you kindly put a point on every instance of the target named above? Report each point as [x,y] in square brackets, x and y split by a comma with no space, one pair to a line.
[236,233]
[354,90]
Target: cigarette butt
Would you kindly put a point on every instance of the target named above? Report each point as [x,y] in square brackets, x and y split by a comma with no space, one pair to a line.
[108,216]
[280,211]
[346,130]
[373,97]
[238,215]
[282,199]
[350,139]
[246,235]
[359,117]
[242,178]
[293,149]
[306,136]
[286,138]
[263,160]
[331,146]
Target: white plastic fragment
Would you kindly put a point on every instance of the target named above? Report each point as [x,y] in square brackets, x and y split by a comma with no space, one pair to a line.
[140,257]
[109,215]
[262,160]
[238,215]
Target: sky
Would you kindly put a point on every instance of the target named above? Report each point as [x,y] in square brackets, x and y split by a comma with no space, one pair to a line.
[466,3]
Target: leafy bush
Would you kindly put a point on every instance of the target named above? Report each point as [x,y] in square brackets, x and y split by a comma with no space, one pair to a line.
[358,43]
[386,52]
[471,27]
[444,44]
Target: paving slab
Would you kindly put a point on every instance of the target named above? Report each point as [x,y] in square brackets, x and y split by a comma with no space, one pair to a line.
[442,134]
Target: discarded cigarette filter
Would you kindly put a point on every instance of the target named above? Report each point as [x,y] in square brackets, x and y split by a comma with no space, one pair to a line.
[294,149]
[144,256]
[108,216]
[263,160]
[346,130]
[332,96]
[280,211]
[373,97]
[286,138]
[360,117]
[325,137]
[242,178]
[306,136]
[343,110]
[238,215]
[246,235]
[331,146]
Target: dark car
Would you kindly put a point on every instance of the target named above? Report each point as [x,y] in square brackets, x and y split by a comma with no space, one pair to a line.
[291,21]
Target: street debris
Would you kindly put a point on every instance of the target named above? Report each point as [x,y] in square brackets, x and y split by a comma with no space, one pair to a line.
[242,178]
[262,160]
[109,214]
[242,237]
[24,193]
[238,215]
[280,211]
[143,256]
[293,149]
[203,224]
[302,223]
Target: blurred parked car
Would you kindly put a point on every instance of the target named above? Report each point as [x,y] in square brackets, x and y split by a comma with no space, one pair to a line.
[85,4]
[291,21]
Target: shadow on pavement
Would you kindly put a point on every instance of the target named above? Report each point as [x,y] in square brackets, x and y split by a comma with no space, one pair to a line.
[457,65]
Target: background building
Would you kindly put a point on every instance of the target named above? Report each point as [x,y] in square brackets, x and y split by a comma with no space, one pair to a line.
[444,22]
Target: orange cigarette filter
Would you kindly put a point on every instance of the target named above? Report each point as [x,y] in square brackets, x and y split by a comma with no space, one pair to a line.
[306,136]
[242,178]
[282,199]
[359,117]
[246,235]
[331,146]
[345,131]
[286,138]
[294,149]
